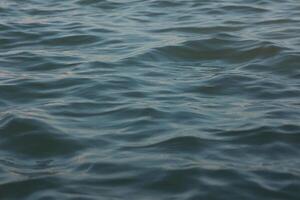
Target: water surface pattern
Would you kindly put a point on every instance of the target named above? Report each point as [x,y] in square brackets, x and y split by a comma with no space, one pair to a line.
[156,99]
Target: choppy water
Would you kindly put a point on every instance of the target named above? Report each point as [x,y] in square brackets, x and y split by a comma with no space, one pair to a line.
[157,99]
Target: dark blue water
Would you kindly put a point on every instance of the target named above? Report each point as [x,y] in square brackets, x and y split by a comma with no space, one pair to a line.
[157,99]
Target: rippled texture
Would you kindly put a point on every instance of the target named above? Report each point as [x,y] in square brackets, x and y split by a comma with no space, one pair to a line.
[157,99]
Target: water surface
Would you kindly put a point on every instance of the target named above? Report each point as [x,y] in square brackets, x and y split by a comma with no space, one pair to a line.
[157,99]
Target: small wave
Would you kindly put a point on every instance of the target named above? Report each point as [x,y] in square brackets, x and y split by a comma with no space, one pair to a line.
[72,40]
[29,187]
[180,143]
[263,135]
[105,4]
[244,8]
[214,48]
[35,138]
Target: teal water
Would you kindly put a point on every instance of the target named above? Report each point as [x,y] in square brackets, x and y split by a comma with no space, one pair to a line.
[143,100]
